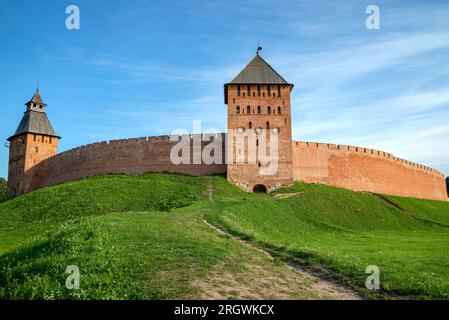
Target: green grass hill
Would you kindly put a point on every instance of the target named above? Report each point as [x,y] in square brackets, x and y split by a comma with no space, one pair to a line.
[151,236]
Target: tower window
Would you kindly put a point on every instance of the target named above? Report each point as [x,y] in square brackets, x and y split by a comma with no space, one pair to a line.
[36,149]
[254,94]
[248,88]
[279,110]
[263,94]
[269,110]
[34,137]
[279,90]
[274,94]
[243,93]
[258,109]
[248,109]
[50,140]
[237,109]
[238,90]
[258,90]
[267,125]
[250,125]
[269,90]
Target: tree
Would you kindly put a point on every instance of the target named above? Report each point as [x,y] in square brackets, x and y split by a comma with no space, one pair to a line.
[3,186]
[447,185]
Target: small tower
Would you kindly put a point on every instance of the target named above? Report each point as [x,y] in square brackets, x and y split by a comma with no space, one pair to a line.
[259,98]
[34,141]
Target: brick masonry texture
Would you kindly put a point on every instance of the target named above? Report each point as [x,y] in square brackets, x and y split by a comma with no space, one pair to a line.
[348,167]
[130,156]
[363,169]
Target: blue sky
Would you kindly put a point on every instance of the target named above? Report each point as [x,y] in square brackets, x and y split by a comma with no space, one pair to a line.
[138,68]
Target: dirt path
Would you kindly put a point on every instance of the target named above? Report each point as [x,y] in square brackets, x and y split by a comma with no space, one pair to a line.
[321,288]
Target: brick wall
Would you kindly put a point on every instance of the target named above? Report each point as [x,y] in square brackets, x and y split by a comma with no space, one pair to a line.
[130,156]
[363,169]
[348,167]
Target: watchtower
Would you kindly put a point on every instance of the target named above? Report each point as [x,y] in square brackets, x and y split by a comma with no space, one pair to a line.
[34,141]
[258,100]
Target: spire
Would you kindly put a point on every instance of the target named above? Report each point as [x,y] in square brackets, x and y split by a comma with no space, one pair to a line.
[36,99]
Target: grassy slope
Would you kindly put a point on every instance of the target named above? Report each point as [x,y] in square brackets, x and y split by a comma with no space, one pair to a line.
[41,212]
[163,252]
[142,237]
[346,231]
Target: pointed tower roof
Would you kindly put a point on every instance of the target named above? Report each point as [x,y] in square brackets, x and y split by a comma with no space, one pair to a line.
[258,71]
[34,121]
[36,98]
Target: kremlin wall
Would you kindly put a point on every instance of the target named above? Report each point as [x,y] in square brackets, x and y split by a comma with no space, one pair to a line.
[257,98]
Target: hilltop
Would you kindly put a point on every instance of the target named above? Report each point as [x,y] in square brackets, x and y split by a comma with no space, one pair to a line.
[165,236]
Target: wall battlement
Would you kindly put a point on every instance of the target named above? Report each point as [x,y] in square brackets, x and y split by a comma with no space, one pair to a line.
[365,169]
[366,151]
[129,156]
[351,167]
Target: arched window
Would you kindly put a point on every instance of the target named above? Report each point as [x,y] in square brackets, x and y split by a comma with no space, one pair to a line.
[279,110]
[267,125]
[258,109]
[250,125]
[249,90]
[248,109]
[237,109]
[269,90]
[279,90]
[258,90]
[238,90]
[269,110]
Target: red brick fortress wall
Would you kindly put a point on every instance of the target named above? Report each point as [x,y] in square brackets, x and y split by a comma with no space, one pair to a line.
[130,156]
[363,169]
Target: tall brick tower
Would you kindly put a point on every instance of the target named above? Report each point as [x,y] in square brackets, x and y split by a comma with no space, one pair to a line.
[34,141]
[259,98]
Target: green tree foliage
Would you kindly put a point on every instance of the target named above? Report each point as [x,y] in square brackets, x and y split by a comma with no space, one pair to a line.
[3,186]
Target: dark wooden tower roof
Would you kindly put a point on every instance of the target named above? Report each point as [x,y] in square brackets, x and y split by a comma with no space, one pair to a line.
[35,119]
[257,71]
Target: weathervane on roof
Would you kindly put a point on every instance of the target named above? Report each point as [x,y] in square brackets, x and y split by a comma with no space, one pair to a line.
[258,48]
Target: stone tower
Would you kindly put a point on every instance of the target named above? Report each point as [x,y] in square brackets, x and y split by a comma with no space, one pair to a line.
[258,100]
[34,141]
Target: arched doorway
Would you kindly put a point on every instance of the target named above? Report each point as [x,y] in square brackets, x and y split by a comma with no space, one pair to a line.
[260,188]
